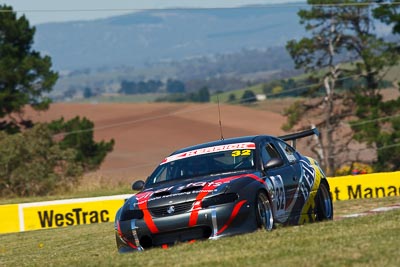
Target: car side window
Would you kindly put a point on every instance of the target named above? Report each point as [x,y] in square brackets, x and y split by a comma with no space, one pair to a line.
[161,175]
[268,152]
[289,151]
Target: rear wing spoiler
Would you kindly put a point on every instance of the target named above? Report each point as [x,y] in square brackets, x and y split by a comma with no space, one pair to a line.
[294,136]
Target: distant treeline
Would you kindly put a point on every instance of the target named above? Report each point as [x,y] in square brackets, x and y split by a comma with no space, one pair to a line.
[177,90]
[151,86]
[201,96]
[220,72]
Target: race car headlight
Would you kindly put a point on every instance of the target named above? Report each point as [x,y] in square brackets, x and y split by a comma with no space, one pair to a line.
[130,211]
[219,200]
[131,214]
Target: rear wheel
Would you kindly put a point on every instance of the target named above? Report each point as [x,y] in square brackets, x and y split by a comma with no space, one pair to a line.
[265,218]
[323,202]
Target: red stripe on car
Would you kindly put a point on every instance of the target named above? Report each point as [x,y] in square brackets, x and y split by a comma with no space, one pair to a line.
[123,238]
[209,188]
[233,215]
[143,199]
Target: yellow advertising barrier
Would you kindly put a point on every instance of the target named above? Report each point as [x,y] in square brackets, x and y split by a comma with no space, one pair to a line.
[62,213]
[9,220]
[55,214]
[59,213]
[374,185]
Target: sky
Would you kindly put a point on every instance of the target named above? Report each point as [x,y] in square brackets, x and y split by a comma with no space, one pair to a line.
[43,11]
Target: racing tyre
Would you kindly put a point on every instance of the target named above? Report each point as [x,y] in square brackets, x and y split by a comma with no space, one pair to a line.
[265,218]
[323,202]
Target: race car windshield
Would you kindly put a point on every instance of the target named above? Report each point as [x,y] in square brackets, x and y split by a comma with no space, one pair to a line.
[183,166]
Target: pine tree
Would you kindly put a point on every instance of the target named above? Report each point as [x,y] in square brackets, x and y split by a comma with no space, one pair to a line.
[25,76]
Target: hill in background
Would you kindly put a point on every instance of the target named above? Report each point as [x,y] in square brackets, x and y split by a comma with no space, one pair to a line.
[223,49]
[165,35]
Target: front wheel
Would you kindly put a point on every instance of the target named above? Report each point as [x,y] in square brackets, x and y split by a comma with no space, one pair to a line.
[323,202]
[265,218]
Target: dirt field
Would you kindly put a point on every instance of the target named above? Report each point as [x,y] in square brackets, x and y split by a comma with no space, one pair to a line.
[145,133]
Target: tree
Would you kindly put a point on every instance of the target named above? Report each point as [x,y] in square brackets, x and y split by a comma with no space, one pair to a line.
[380,129]
[25,75]
[268,87]
[153,86]
[33,162]
[371,127]
[202,95]
[231,98]
[128,88]
[338,32]
[389,13]
[78,134]
[175,86]
[387,140]
[87,92]
[248,97]
[320,52]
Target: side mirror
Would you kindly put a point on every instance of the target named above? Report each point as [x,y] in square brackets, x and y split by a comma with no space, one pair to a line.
[273,163]
[138,185]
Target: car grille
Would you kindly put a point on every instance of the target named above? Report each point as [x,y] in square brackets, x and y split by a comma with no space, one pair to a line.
[172,209]
[181,235]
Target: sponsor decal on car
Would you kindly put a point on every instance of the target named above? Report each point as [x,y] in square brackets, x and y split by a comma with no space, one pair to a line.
[238,146]
[310,182]
[280,198]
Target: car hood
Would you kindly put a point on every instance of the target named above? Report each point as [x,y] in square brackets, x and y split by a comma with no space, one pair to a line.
[192,189]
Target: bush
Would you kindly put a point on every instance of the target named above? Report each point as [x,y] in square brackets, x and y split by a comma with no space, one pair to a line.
[32,164]
[354,168]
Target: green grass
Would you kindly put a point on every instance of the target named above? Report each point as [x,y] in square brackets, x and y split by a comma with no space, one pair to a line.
[223,97]
[365,241]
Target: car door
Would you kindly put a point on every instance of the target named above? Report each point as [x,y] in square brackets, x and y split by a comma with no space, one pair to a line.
[285,178]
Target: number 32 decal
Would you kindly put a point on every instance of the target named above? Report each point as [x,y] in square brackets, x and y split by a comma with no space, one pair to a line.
[244,152]
[279,191]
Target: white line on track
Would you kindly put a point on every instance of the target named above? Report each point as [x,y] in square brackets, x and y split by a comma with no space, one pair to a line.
[373,211]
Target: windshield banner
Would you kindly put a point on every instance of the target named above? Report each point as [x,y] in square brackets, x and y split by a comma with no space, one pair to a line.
[208,150]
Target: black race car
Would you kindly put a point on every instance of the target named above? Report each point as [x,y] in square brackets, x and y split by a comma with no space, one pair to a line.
[223,188]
